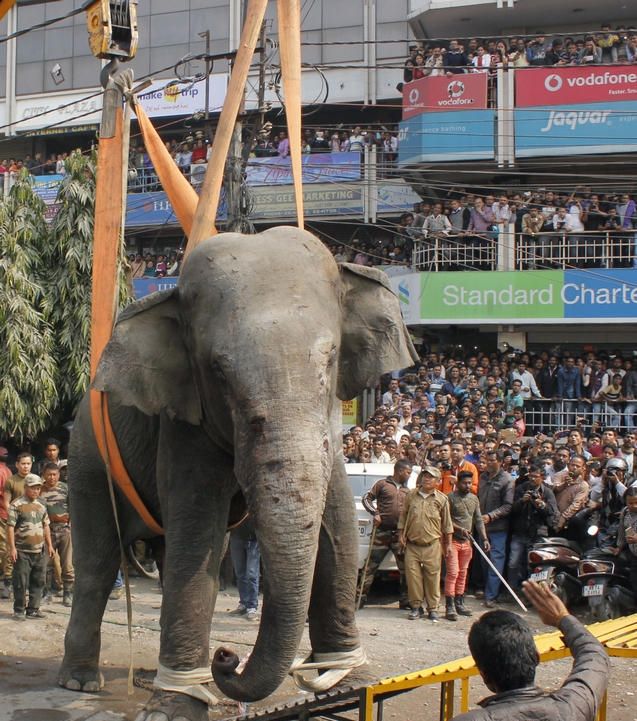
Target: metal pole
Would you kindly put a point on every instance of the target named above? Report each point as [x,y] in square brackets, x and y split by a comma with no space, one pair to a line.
[262,58]
[364,573]
[497,573]
[234,165]
[206,36]
[11,65]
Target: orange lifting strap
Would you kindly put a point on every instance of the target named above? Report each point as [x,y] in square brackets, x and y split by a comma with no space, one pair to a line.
[106,245]
[196,216]
[5,6]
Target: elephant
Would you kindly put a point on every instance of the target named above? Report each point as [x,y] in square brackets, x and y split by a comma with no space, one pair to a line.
[223,395]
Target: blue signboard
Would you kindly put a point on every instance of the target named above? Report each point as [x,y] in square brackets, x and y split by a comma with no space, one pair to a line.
[576,129]
[146,286]
[610,294]
[317,168]
[156,209]
[453,135]
[47,186]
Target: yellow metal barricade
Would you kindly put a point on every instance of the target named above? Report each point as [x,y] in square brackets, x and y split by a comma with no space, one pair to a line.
[618,636]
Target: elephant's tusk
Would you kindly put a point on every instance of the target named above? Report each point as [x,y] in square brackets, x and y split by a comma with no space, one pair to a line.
[190,683]
[336,666]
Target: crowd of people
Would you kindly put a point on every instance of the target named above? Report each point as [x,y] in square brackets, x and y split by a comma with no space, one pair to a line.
[35,164]
[482,55]
[35,531]
[36,555]
[155,265]
[193,153]
[582,228]
[487,471]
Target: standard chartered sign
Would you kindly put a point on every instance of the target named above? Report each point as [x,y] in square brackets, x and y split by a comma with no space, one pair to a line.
[459,295]
[532,296]
[580,293]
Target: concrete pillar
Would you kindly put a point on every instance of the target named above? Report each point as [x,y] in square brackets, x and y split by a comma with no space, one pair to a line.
[506,248]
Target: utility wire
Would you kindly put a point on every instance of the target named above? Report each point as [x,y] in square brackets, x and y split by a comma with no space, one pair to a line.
[630,30]
[43,24]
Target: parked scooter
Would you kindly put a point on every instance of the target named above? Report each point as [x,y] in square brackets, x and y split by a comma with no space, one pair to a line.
[606,584]
[555,561]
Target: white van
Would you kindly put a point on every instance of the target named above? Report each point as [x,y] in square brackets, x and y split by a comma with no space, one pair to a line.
[362,477]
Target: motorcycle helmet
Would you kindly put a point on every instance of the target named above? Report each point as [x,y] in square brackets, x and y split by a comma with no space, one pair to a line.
[616,464]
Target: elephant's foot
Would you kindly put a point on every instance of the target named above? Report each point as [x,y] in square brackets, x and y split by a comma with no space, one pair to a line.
[170,706]
[359,676]
[81,678]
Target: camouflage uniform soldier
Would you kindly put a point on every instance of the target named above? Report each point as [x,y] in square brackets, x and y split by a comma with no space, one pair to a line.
[55,496]
[5,474]
[14,488]
[27,534]
[388,495]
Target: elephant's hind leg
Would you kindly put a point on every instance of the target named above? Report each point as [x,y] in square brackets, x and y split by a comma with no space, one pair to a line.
[96,559]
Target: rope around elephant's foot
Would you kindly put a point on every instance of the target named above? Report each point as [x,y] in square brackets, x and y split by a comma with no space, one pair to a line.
[331,668]
[144,678]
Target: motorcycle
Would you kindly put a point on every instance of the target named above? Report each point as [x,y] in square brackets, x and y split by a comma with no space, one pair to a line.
[606,584]
[555,561]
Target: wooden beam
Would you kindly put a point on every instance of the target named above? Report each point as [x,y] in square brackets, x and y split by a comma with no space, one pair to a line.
[290,53]
[204,223]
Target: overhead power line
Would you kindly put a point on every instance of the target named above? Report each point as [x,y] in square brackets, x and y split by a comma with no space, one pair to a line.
[43,24]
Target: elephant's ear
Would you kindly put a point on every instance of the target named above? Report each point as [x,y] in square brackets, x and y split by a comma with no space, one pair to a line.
[374,337]
[145,363]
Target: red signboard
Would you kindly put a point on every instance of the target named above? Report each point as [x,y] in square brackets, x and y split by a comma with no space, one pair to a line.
[442,93]
[574,86]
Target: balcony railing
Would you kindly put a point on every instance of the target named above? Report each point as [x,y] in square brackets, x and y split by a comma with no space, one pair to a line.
[455,252]
[504,250]
[548,415]
[592,249]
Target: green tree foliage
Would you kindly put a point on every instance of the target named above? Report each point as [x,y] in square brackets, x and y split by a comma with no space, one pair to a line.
[27,364]
[68,290]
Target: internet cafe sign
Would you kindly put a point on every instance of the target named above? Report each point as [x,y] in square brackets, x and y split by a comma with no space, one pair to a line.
[577,296]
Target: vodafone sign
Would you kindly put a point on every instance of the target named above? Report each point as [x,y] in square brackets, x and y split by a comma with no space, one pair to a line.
[574,86]
[442,93]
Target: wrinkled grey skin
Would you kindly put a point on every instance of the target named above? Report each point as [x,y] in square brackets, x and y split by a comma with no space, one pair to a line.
[228,386]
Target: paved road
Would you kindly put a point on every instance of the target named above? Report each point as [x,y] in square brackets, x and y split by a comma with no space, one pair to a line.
[30,654]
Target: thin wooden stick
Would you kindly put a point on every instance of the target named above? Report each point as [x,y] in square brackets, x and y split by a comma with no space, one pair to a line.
[204,223]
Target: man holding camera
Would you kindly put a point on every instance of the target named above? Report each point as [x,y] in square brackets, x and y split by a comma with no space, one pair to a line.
[533,515]
[451,461]
[608,499]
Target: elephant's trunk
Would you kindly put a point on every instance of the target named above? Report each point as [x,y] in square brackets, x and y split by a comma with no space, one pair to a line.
[285,484]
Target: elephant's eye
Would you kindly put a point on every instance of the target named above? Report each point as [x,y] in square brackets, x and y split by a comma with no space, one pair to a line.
[218,371]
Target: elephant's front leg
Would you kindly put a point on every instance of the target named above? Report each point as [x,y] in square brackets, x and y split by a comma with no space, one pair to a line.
[195,484]
[332,606]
